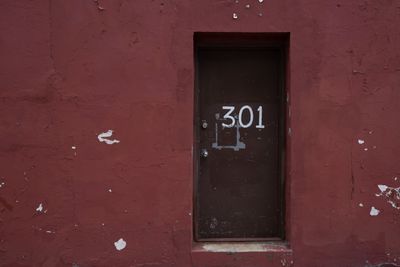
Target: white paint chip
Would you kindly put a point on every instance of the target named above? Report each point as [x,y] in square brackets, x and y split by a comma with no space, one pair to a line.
[260,1]
[374,211]
[361,205]
[103,138]
[234,16]
[39,208]
[360,141]
[73,147]
[120,244]
[382,187]
[109,190]
[2,184]
[391,194]
[365,149]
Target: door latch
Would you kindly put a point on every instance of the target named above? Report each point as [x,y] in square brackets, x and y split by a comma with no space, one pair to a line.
[204,124]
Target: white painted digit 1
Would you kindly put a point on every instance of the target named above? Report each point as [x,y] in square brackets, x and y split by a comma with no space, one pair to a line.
[260,125]
[228,116]
[241,115]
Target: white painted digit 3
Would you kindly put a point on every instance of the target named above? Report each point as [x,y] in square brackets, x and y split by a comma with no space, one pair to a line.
[228,116]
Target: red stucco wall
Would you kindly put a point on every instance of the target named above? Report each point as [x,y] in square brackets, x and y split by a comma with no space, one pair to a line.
[71,70]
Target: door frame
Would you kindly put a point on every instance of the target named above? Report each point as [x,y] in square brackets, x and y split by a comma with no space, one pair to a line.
[279,41]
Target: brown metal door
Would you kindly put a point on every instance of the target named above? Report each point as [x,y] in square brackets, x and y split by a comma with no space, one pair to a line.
[239,126]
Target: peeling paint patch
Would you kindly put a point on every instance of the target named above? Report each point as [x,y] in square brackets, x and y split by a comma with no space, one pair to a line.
[382,187]
[120,244]
[103,138]
[360,141]
[40,208]
[392,195]
[374,211]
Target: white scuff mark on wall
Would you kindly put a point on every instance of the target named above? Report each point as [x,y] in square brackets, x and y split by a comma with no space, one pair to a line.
[235,16]
[2,184]
[361,205]
[40,208]
[374,211]
[120,244]
[109,190]
[50,232]
[74,148]
[103,138]
[365,149]
[260,1]
[392,195]
[360,141]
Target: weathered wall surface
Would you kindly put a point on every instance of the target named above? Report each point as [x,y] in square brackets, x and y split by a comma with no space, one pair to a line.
[71,70]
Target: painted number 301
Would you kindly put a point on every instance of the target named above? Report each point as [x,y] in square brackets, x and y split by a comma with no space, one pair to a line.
[229,116]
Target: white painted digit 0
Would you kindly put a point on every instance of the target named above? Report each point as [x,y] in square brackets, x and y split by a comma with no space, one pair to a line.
[241,117]
[228,116]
